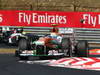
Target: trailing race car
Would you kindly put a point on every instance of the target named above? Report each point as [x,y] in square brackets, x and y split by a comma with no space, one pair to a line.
[54,44]
[12,36]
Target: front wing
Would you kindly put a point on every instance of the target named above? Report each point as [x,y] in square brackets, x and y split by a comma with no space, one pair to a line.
[34,53]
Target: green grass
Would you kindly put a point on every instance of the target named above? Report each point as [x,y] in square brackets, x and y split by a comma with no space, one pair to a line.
[7,50]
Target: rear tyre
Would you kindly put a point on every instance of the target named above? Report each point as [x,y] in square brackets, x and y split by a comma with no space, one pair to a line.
[82,49]
[22,45]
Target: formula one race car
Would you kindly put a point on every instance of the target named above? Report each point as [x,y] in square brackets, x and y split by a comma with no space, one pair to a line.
[12,36]
[51,45]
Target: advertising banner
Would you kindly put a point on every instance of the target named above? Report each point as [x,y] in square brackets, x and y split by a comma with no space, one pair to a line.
[46,18]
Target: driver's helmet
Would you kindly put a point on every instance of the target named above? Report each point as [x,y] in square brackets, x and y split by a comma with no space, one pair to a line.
[55,29]
[54,32]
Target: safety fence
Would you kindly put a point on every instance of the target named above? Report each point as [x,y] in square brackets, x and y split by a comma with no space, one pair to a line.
[88,34]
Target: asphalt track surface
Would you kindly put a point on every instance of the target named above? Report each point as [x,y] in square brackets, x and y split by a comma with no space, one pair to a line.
[9,65]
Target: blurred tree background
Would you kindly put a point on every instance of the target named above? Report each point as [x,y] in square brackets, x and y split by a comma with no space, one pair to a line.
[51,5]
